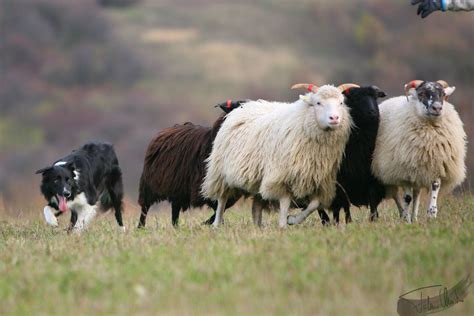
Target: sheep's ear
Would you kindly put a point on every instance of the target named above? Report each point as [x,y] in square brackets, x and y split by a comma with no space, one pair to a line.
[449,90]
[305,98]
[43,170]
[412,92]
[379,92]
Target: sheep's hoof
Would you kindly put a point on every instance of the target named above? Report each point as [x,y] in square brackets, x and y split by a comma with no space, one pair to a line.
[326,223]
[122,229]
[210,221]
[290,220]
[216,224]
[76,231]
[432,212]
[374,216]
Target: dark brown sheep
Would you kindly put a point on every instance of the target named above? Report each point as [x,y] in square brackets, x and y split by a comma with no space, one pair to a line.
[174,167]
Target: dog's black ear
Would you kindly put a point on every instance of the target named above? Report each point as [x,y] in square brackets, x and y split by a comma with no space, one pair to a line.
[43,170]
[70,166]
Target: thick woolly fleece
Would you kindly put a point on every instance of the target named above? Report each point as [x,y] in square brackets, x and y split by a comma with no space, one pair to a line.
[277,149]
[414,151]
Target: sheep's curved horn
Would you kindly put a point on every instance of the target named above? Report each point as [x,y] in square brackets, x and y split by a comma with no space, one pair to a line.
[307,86]
[443,83]
[447,89]
[412,84]
[345,86]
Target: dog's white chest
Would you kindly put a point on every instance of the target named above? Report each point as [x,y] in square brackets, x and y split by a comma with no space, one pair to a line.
[79,203]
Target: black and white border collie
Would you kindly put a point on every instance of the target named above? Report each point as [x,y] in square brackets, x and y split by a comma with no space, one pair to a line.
[86,181]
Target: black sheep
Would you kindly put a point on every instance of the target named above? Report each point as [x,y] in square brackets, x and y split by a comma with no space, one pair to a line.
[174,167]
[356,183]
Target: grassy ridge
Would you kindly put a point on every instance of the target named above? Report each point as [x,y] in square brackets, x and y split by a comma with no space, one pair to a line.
[359,269]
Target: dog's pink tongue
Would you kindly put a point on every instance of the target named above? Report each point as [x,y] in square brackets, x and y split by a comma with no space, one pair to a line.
[62,203]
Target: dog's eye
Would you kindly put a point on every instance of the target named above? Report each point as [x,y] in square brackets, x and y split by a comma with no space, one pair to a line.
[56,181]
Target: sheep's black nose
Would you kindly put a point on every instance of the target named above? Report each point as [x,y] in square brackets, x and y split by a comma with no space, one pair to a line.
[437,107]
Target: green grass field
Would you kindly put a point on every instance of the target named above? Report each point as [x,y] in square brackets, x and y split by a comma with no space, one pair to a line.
[358,269]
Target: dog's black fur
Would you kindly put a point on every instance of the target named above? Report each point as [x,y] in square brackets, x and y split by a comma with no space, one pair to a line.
[93,169]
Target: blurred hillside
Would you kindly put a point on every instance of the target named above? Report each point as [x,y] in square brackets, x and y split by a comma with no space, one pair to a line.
[120,70]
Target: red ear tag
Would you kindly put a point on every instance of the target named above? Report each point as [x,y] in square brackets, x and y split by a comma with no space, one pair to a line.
[347,91]
[229,103]
[310,87]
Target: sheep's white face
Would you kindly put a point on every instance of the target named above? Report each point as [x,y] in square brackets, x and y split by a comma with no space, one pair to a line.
[328,109]
[429,99]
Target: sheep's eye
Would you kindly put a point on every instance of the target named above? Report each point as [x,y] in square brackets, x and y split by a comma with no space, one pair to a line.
[340,103]
[318,103]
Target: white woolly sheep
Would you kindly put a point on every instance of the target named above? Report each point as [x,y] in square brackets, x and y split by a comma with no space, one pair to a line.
[420,144]
[281,151]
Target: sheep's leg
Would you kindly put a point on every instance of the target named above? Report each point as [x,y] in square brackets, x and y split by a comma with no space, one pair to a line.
[257,207]
[335,214]
[347,212]
[407,198]
[416,204]
[324,216]
[433,208]
[396,198]
[284,207]
[373,204]
[210,220]
[143,215]
[297,219]
[221,202]
[175,209]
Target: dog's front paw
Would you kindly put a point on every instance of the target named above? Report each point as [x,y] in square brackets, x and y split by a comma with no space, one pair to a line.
[49,216]
[122,229]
